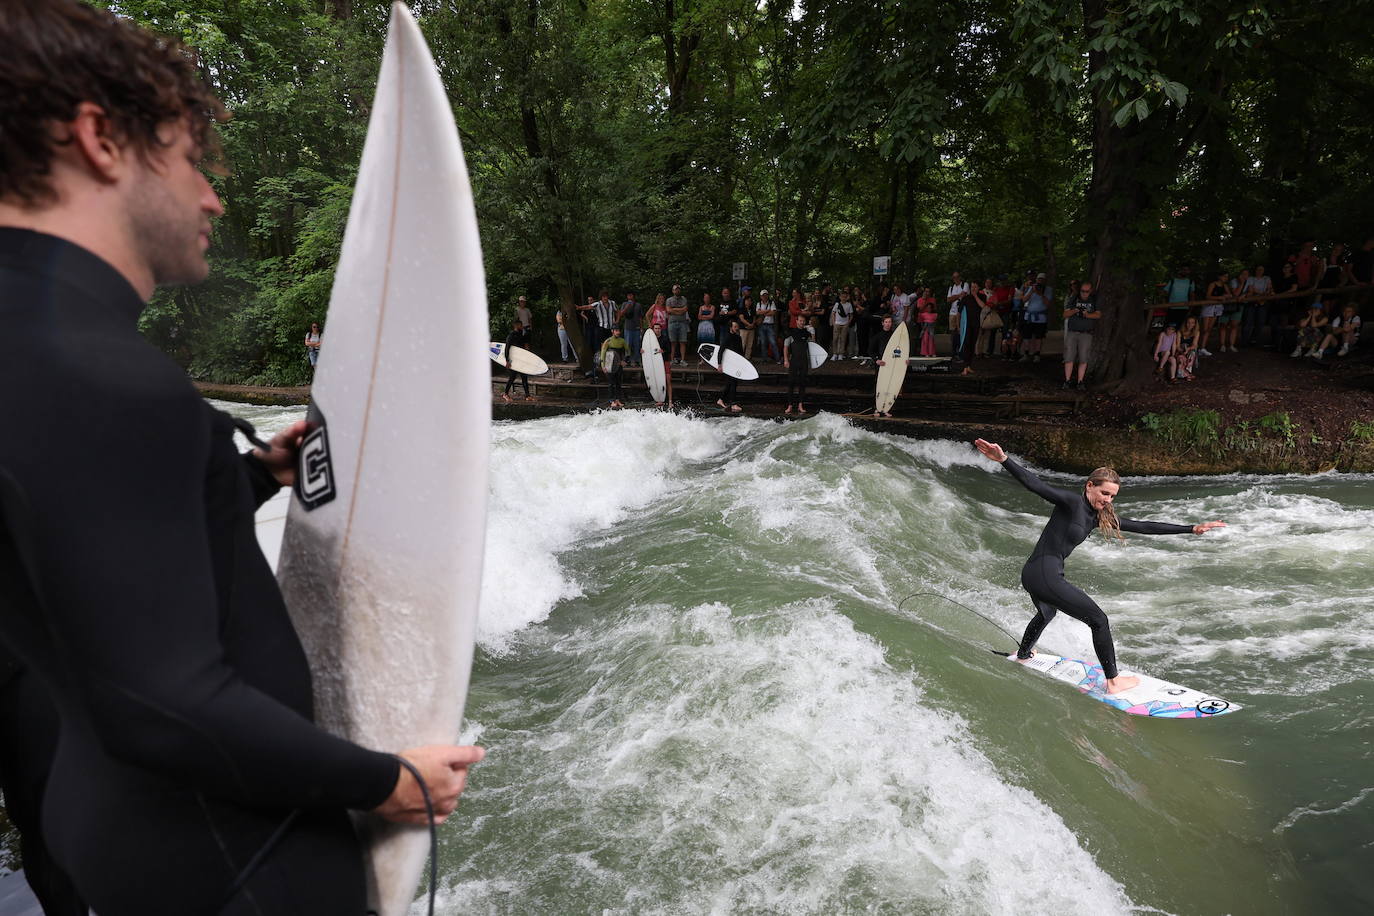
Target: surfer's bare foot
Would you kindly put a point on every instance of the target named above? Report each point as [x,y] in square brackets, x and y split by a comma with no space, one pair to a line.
[506,398]
[788,410]
[720,404]
[1122,683]
[1017,658]
[801,409]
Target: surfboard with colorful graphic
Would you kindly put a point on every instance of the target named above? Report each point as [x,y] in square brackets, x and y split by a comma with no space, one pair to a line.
[1151,697]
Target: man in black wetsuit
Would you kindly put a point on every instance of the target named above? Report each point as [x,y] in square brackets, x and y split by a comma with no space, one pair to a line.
[518,337]
[1076,514]
[188,776]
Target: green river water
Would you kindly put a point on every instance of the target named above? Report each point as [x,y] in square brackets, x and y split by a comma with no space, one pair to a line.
[702,691]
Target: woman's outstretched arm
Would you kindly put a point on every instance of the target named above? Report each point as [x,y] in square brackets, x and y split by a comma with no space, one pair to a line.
[1026,478]
[1142,527]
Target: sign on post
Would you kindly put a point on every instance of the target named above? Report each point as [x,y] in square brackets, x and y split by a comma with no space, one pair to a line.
[880,266]
[739,270]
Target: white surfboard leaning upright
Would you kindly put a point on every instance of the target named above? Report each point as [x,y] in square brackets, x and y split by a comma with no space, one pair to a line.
[651,358]
[521,360]
[382,556]
[893,372]
[728,361]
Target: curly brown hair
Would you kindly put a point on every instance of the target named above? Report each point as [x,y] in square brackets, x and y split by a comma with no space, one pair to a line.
[60,53]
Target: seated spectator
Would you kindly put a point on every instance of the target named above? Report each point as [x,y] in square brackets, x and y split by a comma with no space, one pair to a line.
[1166,353]
[1311,330]
[1344,329]
[1186,354]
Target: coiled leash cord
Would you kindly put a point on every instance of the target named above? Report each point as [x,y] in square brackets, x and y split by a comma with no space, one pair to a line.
[1014,640]
[433,832]
[251,434]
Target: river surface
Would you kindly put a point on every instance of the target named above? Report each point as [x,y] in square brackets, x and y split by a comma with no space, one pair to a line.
[718,673]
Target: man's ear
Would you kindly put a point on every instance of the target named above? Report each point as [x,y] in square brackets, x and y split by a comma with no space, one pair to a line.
[92,145]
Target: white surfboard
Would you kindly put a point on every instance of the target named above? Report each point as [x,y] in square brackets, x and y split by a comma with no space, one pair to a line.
[381,560]
[611,360]
[651,358]
[1151,697]
[893,373]
[728,361]
[818,354]
[521,360]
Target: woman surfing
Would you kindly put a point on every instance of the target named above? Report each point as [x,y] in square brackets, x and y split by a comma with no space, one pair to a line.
[1076,514]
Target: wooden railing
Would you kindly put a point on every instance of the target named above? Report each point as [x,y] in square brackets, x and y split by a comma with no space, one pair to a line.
[1311,291]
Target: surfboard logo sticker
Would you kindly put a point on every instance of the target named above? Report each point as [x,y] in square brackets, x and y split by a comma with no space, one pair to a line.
[1211,707]
[315,471]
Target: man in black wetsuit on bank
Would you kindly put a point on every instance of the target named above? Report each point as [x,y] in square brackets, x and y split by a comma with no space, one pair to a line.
[1076,514]
[188,776]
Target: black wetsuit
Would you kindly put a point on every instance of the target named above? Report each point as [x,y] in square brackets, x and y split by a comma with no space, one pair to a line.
[134,588]
[517,339]
[734,342]
[1043,575]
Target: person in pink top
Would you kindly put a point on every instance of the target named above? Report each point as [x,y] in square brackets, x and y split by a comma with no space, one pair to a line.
[926,316]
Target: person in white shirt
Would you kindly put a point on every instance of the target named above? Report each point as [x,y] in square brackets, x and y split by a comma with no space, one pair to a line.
[900,303]
[841,315]
[958,289]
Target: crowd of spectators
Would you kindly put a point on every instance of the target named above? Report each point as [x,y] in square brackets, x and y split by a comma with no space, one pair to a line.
[1309,308]
[995,317]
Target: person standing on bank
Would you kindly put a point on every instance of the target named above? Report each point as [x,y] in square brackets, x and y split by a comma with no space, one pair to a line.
[1080,321]
[1076,514]
[796,359]
[631,318]
[615,376]
[731,340]
[518,337]
[190,777]
[312,345]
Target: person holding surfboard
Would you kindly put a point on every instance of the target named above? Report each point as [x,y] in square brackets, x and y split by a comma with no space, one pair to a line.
[516,338]
[614,352]
[796,359]
[732,341]
[190,776]
[1076,514]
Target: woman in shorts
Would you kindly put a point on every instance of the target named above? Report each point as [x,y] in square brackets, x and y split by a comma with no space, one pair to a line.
[1218,294]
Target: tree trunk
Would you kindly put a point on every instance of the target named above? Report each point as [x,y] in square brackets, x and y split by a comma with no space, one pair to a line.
[1117,197]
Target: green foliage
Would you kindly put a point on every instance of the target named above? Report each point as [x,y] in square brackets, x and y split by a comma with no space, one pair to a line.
[632,144]
[1195,431]
[1280,424]
[1362,431]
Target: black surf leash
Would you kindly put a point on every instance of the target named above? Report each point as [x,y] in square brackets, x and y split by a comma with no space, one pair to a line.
[250,433]
[965,607]
[433,831]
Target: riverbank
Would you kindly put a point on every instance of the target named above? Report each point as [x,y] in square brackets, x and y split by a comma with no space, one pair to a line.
[1256,411]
